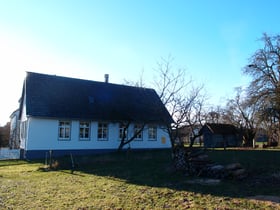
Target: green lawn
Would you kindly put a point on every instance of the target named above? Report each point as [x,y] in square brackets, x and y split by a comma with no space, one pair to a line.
[138,180]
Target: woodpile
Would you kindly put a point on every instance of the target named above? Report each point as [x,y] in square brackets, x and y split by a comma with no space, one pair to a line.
[197,163]
[180,158]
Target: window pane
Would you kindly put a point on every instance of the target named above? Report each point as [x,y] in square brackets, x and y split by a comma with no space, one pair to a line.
[86,134]
[67,132]
[81,132]
[61,132]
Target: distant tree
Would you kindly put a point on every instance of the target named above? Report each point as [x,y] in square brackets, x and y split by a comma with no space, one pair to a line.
[264,89]
[5,135]
[215,115]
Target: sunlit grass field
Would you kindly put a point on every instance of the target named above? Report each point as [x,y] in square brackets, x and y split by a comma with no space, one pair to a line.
[138,180]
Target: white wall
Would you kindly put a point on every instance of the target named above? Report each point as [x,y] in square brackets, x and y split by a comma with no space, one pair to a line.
[43,135]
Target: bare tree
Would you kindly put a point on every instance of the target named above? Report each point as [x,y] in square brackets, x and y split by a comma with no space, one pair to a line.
[124,134]
[5,135]
[131,123]
[184,102]
[193,112]
[215,115]
[242,113]
[139,83]
[264,89]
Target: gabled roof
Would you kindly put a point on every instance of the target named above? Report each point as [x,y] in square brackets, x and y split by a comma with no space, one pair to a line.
[62,97]
[186,130]
[217,128]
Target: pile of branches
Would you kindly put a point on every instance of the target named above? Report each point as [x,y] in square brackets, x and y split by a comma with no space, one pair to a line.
[197,163]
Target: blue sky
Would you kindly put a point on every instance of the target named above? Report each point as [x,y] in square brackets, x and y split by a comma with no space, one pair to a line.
[211,39]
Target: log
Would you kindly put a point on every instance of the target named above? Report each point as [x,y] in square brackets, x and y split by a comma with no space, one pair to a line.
[233,166]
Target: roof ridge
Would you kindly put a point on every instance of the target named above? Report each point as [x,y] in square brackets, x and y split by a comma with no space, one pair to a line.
[87,80]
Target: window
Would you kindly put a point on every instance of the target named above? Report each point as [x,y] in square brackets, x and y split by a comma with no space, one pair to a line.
[84,130]
[138,131]
[64,130]
[102,131]
[152,132]
[122,131]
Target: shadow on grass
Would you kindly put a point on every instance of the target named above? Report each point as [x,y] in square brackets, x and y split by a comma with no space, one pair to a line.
[154,168]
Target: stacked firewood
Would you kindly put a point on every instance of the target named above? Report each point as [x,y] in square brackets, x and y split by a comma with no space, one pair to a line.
[197,162]
[180,158]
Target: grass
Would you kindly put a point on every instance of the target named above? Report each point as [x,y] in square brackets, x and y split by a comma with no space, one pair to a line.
[137,180]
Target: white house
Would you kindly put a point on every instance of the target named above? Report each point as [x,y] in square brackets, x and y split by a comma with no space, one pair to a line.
[74,116]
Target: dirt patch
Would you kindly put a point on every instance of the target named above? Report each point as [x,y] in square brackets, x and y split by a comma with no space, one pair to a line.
[274,199]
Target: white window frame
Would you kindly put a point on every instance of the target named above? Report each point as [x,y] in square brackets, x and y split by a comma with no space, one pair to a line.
[84,129]
[64,130]
[102,131]
[152,132]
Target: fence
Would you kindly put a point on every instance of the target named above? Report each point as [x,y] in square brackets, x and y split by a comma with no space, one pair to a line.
[6,153]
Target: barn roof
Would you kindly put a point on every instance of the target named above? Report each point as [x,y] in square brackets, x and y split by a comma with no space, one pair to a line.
[218,128]
[63,97]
